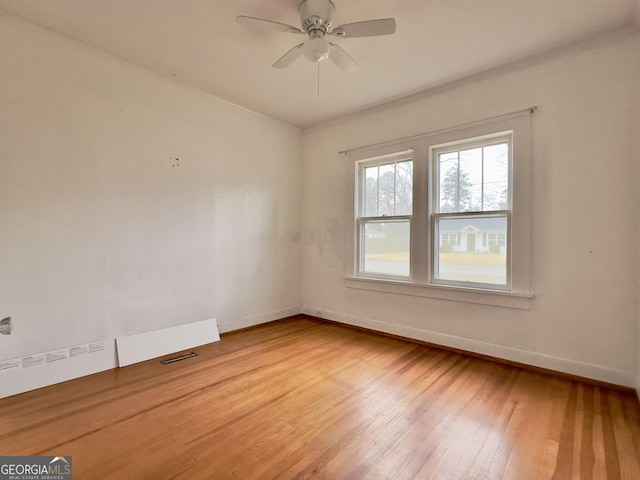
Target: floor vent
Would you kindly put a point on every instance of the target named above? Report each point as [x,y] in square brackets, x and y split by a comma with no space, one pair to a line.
[167,361]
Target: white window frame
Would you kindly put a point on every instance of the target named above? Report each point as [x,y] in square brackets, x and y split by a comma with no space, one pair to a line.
[435,215]
[420,283]
[363,220]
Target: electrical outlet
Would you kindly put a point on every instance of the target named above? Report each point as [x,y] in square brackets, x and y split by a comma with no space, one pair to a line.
[5,326]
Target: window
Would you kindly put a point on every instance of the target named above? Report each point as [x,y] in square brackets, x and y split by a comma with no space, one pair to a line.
[386,205]
[445,215]
[472,202]
[449,240]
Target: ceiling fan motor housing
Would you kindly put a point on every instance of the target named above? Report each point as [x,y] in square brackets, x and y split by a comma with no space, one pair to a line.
[316,16]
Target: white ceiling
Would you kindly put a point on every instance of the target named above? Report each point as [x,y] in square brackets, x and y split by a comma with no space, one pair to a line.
[199,43]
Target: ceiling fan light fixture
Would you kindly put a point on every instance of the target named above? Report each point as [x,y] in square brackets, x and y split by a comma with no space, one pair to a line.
[316,49]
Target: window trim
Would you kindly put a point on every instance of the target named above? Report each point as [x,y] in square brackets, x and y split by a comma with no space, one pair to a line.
[420,281]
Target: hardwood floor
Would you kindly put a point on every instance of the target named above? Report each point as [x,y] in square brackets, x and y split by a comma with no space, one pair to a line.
[307,399]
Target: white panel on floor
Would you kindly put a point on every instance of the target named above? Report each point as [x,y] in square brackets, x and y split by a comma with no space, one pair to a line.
[144,346]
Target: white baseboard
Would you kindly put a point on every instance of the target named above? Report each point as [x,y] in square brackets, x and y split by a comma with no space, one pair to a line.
[563,365]
[259,319]
[25,378]
[156,343]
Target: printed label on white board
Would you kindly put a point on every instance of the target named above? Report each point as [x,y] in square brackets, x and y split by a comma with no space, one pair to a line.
[32,361]
[97,346]
[55,356]
[10,364]
[79,350]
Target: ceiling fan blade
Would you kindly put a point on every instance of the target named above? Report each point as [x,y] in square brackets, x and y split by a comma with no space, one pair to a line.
[342,59]
[368,28]
[268,24]
[288,58]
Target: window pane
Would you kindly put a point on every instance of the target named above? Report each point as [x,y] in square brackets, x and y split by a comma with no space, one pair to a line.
[496,177]
[404,188]
[388,189]
[470,183]
[474,180]
[370,207]
[472,249]
[386,248]
[449,182]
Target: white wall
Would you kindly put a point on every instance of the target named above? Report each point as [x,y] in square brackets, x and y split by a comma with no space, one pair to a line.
[584,317]
[130,203]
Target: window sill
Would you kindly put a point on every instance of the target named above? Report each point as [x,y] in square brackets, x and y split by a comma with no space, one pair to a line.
[520,301]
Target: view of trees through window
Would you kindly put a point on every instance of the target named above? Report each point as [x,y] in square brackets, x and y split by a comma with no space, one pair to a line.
[388,189]
[474,180]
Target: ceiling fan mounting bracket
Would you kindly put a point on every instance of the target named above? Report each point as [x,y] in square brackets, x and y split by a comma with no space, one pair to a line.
[316,15]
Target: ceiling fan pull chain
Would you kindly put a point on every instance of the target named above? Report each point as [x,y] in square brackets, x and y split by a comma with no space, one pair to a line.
[318,78]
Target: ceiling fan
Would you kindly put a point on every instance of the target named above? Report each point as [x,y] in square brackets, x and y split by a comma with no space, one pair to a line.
[316,17]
